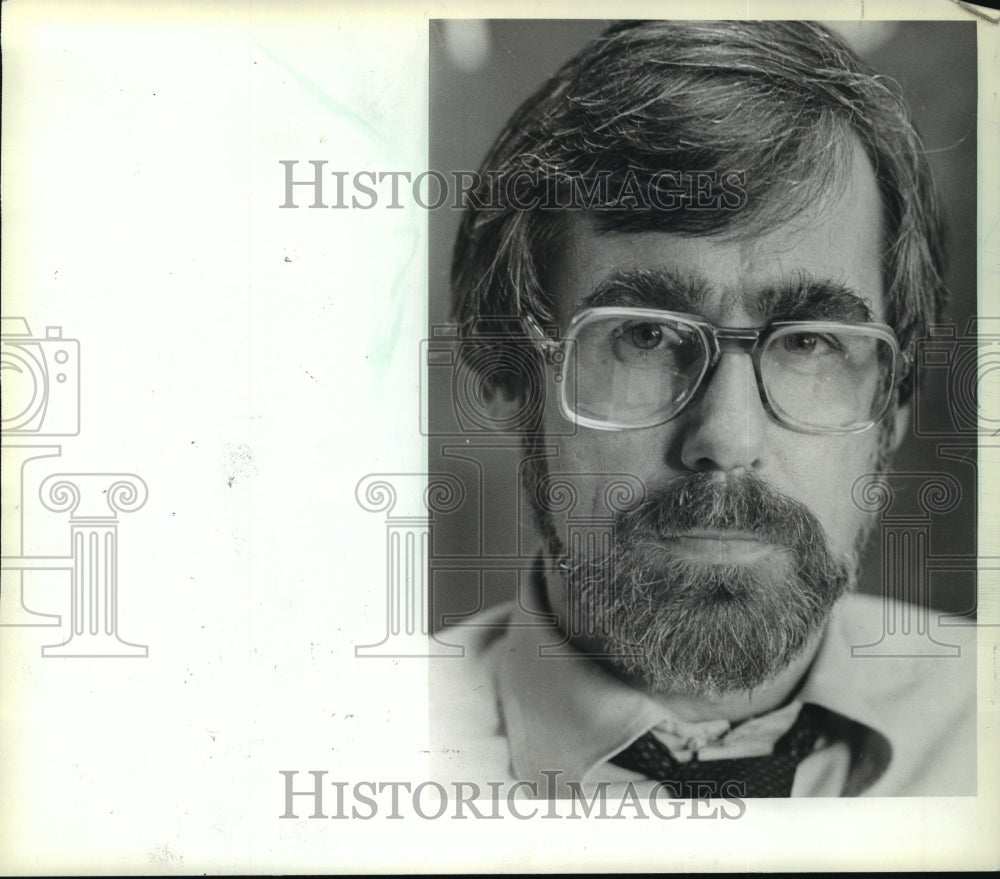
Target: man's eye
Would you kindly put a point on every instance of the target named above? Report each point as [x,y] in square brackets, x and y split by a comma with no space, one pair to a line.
[655,344]
[645,336]
[808,344]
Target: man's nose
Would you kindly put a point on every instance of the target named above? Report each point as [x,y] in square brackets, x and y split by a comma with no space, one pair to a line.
[725,429]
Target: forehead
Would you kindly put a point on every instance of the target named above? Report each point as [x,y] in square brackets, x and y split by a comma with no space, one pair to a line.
[831,251]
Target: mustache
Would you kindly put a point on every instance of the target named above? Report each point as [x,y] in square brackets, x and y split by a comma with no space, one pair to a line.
[706,502]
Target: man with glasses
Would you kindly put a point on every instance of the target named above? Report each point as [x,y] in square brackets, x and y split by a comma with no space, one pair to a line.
[719,242]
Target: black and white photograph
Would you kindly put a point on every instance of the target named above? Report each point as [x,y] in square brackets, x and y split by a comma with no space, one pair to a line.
[498,438]
[701,276]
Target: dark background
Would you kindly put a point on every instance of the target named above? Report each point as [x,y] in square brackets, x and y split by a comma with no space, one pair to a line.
[480,71]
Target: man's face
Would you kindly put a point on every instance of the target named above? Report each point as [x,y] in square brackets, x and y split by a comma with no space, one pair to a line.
[726,437]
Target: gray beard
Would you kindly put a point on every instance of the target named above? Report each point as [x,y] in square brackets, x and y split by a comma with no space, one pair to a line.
[693,626]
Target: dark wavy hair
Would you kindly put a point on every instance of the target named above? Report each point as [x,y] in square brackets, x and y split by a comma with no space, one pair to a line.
[782,100]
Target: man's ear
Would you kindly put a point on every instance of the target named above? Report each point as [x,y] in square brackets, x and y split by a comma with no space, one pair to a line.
[901,424]
[501,405]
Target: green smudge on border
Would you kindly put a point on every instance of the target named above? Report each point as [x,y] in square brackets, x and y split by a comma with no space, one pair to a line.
[384,346]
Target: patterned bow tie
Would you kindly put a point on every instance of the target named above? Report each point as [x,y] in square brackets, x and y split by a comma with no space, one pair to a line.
[769,776]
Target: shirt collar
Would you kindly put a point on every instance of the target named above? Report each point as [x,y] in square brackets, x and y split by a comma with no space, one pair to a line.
[565,712]
[860,691]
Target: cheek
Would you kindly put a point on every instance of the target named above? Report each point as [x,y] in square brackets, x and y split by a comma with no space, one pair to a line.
[595,462]
[822,474]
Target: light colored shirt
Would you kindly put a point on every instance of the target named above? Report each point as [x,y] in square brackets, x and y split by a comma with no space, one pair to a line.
[516,708]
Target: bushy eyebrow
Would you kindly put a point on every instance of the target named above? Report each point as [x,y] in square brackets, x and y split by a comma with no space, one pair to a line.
[810,299]
[804,298]
[649,288]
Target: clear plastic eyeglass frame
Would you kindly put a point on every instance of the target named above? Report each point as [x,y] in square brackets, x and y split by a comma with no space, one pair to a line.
[716,341]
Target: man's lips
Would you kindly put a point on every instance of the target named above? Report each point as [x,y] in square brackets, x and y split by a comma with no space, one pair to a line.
[719,547]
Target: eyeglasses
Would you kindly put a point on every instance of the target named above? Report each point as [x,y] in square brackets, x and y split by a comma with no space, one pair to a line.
[622,368]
